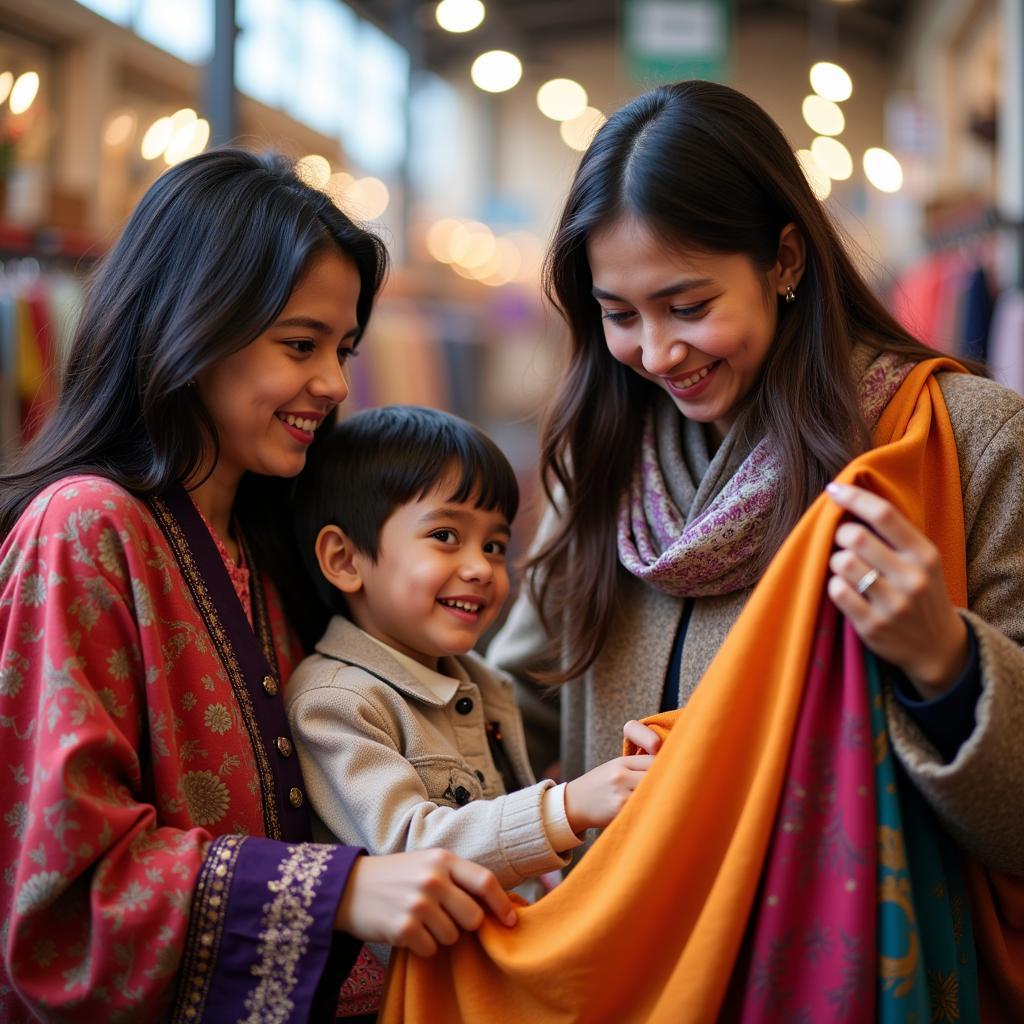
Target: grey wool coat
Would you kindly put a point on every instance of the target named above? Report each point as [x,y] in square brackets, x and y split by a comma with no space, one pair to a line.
[979,796]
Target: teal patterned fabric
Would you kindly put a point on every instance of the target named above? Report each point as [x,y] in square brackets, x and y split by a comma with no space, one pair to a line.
[927,968]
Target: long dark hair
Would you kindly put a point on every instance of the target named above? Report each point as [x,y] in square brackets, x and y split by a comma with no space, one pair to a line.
[703,167]
[204,265]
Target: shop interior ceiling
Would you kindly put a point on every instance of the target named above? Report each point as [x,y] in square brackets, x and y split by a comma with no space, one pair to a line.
[534,28]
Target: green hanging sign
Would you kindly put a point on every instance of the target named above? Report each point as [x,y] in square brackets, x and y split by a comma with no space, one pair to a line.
[668,40]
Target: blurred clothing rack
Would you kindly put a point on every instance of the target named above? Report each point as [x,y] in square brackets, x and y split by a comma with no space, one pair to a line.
[40,299]
[952,298]
[963,224]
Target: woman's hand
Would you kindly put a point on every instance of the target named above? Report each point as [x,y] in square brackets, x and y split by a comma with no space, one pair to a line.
[888,582]
[641,736]
[418,900]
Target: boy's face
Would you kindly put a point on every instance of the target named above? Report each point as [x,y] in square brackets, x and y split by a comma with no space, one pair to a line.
[440,577]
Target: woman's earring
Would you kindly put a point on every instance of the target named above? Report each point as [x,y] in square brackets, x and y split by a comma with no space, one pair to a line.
[790,295]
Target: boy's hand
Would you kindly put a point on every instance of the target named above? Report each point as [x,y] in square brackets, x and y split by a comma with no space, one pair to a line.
[419,899]
[593,800]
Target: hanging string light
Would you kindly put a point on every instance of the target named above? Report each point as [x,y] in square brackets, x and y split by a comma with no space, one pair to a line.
[823,116]
[562,99]
[459,15]
[883,170]
[24,91]
[496,71]
[833,156]
[831,81]
[579,132]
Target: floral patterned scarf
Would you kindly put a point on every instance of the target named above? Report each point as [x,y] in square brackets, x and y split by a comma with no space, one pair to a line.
[690,525]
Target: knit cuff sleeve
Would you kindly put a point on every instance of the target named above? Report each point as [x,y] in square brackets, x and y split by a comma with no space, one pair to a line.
[556,824]
[524,845]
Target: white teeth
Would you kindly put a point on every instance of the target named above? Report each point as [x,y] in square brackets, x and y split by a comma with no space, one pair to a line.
[465,606]
[309,426]
[698,376]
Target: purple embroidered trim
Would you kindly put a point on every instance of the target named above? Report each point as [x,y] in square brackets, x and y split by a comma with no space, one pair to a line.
[262,945]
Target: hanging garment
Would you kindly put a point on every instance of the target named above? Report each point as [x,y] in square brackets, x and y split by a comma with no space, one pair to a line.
[1006,340]
[916,300]
[976,316]
[951,301]
[39,379]
[38,317]
[686,906]
[31,366]
[930,299]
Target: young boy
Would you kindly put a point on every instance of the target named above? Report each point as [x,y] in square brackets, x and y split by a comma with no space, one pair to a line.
[406,738]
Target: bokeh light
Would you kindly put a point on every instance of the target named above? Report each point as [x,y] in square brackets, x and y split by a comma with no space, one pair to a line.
[158,134]
[823,117]
[831,81]
[183,123]
[119,129]
[496,71]
[471,244]
[883,170]
[580,131]
[438,239]
[337,187]
[562,99]
[189,140]
[833,156]
[24,92]
[313,169]
[367,198]
[459,15]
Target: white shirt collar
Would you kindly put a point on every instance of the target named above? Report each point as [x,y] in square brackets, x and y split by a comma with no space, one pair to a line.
[441,686]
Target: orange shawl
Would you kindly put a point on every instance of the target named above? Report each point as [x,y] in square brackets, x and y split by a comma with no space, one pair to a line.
[649,925]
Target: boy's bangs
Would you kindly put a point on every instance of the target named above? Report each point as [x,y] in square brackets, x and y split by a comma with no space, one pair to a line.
[486,481]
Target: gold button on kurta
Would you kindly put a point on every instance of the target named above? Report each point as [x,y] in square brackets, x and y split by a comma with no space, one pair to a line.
[270,685]
[284,746]
[295,797]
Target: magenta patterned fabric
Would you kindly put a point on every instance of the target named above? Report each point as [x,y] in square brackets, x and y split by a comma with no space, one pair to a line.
[682,532]
[812,947]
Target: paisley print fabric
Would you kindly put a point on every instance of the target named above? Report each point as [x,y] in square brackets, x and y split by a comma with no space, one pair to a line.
[695,539]
[861,914]
[125,756]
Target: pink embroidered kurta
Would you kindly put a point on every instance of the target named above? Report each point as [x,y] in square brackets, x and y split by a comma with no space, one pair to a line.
[153,818]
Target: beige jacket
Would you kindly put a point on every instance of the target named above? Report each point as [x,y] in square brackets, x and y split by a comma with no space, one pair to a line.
[980,794]
[391,766]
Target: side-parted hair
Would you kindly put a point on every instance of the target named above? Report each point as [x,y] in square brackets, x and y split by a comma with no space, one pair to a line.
[206,262]
[704,168]
[376,461]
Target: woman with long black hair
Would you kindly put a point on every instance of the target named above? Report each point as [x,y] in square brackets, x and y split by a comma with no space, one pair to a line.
[785,529]
[156,846]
